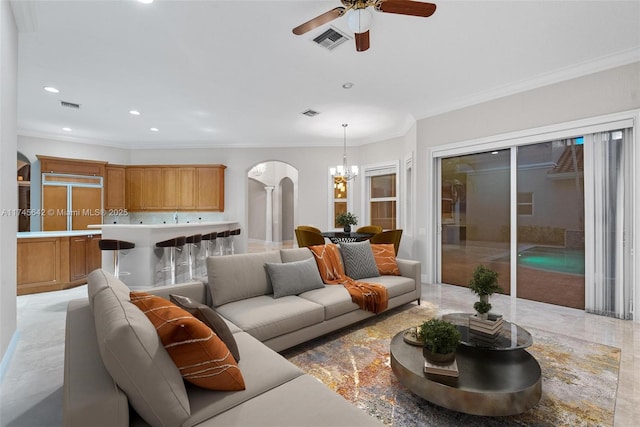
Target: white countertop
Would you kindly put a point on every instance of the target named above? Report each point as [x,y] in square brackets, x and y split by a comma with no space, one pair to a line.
[163,226]
[41,234]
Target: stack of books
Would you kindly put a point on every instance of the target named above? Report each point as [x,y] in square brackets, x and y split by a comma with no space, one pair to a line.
[448,370]
[491,326]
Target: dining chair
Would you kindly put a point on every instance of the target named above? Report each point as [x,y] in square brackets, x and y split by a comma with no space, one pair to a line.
[309,228]
[389,236]
[308,238]
[373,229]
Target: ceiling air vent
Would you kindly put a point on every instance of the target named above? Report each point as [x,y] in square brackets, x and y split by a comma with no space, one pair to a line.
[69,104]
[310,113]
[331,38]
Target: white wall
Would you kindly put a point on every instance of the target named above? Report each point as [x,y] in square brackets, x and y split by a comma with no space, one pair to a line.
[589,96]
[9,193]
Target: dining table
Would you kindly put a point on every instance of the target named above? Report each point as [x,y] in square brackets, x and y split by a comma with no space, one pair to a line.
[345,237]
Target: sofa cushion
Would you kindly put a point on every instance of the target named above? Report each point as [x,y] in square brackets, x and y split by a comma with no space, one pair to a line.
[334,298]
[202,358]
[265,317]
[309,403]
[262,368]
[358,260]
[396,285]
[133,354]
[385,257]
[209,317]
[294,278]
[296,254]
[240,276]
[105,280]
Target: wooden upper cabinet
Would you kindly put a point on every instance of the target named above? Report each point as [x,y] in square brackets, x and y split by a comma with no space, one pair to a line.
[152,188]
[71,166]
[179,187]
[114,187]
[210,188]
[186,188]
[134,188]
[170,188]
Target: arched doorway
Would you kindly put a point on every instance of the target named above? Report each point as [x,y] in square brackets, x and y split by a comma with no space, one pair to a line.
[272,192]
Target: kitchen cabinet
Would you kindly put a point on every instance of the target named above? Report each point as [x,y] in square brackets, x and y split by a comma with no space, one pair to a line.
[152,188]
[71,166]
[210,188]
[114,187]
[84,256]
[179,187]
[56,262]
[41,264]
[186,188]
[134,188]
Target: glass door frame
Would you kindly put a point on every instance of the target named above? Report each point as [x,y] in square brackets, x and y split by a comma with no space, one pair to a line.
[628,119]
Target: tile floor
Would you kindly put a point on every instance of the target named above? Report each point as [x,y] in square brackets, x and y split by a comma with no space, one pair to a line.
[31,392]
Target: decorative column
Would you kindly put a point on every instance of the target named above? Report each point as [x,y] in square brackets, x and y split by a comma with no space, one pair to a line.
[269,213]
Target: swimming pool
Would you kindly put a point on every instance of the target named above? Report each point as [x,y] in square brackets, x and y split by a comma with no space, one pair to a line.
[558,260]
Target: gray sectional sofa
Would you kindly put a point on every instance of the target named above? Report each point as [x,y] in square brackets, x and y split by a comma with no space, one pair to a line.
[117,373]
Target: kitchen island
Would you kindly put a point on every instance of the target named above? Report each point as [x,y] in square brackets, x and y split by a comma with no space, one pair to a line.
[146,265]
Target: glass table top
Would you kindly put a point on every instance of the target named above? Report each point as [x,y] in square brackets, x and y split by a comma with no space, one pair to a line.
[509,337]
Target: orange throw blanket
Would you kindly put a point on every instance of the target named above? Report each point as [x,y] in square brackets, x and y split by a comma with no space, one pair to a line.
[368,296]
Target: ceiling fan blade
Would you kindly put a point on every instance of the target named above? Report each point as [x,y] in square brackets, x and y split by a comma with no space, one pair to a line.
[406,7]
[362,41]
[319,20]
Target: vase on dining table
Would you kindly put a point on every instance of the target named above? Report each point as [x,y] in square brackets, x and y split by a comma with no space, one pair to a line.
[347,228]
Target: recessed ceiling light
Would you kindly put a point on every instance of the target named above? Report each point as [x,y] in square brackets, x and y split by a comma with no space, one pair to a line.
[51,89]
[347,85]
[494,152]
[66,129]
[146,1]
[154,129]
[134,112]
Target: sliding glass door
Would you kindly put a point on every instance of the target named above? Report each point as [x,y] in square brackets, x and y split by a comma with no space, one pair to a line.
[550,222]
[475,216]
[553,218]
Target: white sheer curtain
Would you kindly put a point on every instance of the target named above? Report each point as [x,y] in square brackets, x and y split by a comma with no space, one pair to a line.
[608,200]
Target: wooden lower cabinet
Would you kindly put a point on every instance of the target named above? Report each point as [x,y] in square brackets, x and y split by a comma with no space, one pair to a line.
[55,263]
[84,256]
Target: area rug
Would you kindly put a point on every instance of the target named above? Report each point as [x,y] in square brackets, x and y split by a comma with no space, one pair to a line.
[579,378]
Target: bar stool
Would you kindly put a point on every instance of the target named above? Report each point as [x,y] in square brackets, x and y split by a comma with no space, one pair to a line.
[192,242]
[231,238]
[210,239]
[116,246]
[172,244]
[224,236]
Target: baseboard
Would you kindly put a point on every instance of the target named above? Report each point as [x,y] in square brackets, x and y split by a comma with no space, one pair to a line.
[6,358]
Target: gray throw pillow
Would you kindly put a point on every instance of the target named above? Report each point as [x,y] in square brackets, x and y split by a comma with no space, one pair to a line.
[294,278]
[206,315]
[358,260]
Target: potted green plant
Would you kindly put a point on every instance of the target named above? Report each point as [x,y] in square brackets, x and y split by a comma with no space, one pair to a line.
[441,339]
[484,283]
[346,219]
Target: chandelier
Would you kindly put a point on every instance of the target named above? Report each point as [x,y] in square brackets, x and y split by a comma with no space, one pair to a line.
[343,171]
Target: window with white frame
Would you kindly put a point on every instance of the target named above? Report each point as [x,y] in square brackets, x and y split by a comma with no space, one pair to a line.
[381,200]
[525,203]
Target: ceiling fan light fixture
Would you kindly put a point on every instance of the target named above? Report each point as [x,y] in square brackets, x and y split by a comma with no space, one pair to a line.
[359,20]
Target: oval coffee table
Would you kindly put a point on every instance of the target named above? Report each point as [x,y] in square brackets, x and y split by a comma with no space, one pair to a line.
[490,382]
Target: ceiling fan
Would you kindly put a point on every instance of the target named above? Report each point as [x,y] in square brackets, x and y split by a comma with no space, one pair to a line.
[359,17]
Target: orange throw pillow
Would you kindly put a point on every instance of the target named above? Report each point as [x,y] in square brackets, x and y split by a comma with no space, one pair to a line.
[200,355]
[385,256]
